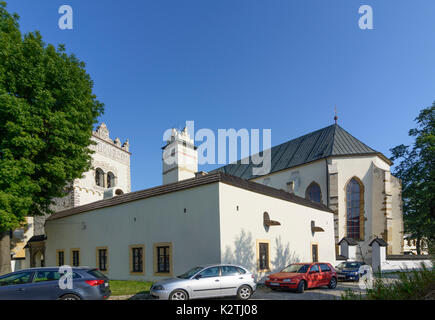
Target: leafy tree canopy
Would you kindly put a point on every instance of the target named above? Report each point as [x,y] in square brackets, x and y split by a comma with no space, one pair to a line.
[416,169]
[47,113]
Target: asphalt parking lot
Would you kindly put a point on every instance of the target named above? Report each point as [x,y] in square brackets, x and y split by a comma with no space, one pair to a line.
[323,293]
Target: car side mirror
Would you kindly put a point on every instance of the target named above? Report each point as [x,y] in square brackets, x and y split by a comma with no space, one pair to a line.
[198,276]
[314,271]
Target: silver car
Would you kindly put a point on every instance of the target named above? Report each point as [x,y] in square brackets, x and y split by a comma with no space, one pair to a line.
[210,281]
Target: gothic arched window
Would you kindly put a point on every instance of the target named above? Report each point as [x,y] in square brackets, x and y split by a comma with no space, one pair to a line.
[110,180]
[99,177]
[354,209]
[313,192]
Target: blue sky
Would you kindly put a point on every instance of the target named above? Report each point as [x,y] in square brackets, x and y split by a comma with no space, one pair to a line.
[275,64]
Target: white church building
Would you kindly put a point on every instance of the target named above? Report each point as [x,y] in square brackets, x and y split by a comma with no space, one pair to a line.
[323,186]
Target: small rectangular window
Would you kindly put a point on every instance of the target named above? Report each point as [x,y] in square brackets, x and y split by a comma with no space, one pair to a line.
[102,259]
[60,258]
[75,256]
[263,255]
[136,259]
[315,252]
[163,259]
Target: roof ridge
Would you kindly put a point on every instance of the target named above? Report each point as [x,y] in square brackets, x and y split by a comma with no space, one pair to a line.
[303,136]
[352,136]
[333,138]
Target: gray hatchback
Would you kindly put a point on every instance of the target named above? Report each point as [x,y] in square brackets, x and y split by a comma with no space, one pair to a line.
[50,284]
[207,282]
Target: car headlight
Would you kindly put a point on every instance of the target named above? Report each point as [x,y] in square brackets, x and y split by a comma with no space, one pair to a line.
[288,280]
[158,288]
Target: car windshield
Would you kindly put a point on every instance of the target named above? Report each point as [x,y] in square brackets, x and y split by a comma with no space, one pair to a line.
[297,268]
[349,265]
[190,273]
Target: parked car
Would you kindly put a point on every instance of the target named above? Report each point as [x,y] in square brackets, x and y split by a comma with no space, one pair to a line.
[43,284]
[350,270]
[207,282]
[301,276]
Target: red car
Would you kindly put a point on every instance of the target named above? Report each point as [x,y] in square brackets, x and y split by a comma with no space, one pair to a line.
[301,276]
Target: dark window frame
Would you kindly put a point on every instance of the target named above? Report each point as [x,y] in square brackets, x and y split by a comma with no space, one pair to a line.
[163,259]
[137,259]
[354,194]
[264,255]
[315,253]
[61,258]
[75,258]
[102,259]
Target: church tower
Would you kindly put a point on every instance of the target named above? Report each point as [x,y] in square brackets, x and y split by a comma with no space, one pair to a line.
[180,157]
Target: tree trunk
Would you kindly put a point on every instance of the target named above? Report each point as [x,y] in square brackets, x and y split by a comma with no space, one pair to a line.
[5,253]
[418,245]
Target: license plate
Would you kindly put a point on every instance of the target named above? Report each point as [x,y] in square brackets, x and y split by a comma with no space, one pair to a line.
[106,284]
[274,284]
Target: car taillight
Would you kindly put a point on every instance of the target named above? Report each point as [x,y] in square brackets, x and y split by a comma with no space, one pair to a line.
[252,276]
[94,283]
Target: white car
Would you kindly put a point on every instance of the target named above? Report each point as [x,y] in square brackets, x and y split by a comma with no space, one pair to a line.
[210,281]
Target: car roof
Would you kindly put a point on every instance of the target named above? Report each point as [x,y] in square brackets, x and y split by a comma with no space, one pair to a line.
[221,264]
[84,268]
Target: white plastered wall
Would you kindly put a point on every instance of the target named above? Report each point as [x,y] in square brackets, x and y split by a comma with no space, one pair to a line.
[194,234]
[241,219]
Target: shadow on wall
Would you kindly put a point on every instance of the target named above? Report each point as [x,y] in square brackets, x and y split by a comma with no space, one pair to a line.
[283,256]
[243,252]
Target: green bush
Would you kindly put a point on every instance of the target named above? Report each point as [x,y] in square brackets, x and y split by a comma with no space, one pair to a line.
[411,285]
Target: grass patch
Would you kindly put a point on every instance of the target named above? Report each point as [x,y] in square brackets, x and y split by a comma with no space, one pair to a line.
[123,288]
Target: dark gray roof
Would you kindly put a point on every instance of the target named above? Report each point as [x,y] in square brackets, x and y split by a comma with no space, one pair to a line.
[191,183]
[380,241]
[350,241]
[36,238]
[326,142]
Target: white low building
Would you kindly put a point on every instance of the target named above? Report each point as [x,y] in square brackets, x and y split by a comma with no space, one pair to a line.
[213,218]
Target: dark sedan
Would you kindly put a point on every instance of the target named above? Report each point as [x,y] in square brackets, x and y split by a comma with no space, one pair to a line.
[350,270]
[51,284]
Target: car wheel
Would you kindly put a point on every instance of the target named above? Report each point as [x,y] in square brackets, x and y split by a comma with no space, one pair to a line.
[301,286]
[244,292]
[70,297]
[178,295]
[332,283]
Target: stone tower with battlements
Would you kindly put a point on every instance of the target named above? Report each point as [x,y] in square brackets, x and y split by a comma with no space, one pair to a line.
[109,175]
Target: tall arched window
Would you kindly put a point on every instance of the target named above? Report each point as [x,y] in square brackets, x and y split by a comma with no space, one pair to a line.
[354,209]
[313,192]
[99,177]
[110,180]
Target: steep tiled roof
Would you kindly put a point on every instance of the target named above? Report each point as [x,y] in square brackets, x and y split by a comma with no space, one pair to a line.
[326,142]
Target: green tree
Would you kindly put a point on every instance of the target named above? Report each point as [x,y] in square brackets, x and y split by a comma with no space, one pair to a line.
[416,169]
[47,112]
